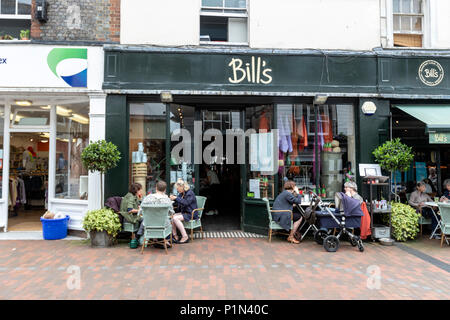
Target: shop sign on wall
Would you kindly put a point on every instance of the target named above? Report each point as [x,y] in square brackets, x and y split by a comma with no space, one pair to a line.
[256,70]
[431,73]
[46,66]
[440,137]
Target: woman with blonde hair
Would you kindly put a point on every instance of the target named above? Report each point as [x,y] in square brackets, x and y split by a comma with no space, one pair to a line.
[186,203]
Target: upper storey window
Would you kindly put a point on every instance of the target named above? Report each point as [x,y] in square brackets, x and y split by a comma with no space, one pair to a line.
[15,19]
[408,23]
[224,21]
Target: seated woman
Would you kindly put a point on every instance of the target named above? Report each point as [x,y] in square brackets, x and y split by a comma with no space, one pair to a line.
[446,196]
[417,200]
[286,201]
[129,207]
[186,203]
[351,189]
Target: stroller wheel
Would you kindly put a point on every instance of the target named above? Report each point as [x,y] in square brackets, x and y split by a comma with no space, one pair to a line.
[331,243]
[354,241]
[360,246]
[320,235]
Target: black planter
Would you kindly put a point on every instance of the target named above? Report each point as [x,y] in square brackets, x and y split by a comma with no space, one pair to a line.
[101,239]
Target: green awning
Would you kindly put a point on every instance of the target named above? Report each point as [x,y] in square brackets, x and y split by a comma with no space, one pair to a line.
[436,117]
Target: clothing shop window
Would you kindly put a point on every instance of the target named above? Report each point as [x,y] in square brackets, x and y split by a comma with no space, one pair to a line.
[182,159]
[297,125]
[15,15]
[223,21]
[72,136]
[408,23]
[147,144]
[260,158]
[2,155]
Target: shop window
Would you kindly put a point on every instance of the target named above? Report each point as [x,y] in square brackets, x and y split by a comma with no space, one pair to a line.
[2,155]
[15,15]
[260,180]
[72,136]
[223,21]
[408,23]
[182,164]
[147,144]
[297,125]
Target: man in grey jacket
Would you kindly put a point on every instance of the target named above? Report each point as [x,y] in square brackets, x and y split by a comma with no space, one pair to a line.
[417,200]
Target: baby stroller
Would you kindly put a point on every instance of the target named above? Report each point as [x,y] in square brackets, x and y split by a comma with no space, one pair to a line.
[330,218]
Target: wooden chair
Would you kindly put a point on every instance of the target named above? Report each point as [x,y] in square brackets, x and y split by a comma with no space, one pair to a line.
[157,225]
[275,226]
[197,223]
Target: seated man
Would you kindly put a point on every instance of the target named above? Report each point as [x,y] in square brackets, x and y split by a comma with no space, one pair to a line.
[417,200]
[160,197]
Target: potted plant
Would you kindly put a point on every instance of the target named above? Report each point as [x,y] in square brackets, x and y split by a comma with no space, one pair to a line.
[25,34]
[7,37]
[405,221]
[100,156]
[102,225]
[394,155]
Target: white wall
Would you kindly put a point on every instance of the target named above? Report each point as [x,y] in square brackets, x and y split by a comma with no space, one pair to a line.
[440,24]
[323,24]
[168,22]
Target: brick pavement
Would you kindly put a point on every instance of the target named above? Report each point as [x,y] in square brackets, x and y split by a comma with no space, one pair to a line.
[217,269]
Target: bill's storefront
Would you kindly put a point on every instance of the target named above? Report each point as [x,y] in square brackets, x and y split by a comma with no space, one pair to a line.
[331,109]
[51,106]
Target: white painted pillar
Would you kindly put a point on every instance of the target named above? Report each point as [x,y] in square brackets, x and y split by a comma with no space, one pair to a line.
[97,110]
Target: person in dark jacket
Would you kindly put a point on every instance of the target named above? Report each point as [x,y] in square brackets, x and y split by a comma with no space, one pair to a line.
[186,203]
[285,201]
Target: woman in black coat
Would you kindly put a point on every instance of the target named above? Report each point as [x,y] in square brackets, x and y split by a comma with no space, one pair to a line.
[186,203]
[286,201]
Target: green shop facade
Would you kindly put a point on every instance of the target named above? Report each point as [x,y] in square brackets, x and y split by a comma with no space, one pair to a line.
[331,109]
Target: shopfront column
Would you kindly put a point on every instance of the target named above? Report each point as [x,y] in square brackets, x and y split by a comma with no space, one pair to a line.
[97,103]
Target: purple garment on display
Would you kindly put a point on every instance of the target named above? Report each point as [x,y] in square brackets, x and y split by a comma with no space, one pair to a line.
[284,130]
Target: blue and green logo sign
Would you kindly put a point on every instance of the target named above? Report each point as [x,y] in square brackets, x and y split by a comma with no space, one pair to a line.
[70,65]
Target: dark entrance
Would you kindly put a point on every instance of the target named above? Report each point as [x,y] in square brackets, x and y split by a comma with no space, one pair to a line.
[219,180]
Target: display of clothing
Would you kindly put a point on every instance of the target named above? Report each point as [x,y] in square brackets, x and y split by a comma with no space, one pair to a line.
[76,167]
[264,122]
[327,128]
[284,128]
[304,136]
[294,138]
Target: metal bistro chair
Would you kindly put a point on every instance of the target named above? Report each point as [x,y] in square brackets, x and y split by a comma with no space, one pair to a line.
[272,224]
[444,209]
[157,225]
[194,224]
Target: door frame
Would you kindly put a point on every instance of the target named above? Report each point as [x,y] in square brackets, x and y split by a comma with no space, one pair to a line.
[51,129]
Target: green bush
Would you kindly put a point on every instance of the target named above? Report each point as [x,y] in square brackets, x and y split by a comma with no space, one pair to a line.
[102,220]
[405,221]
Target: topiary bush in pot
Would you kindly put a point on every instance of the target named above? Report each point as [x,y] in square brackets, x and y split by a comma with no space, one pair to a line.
[103,226]
[405,221]
[392,156]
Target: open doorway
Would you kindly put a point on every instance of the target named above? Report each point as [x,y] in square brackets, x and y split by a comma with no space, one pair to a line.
[220,182]
[28,180]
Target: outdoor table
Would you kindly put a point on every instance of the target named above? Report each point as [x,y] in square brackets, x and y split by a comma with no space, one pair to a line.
[432,206]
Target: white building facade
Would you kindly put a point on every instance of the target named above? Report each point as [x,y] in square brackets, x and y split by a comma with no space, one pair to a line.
[288,24]
[51,101]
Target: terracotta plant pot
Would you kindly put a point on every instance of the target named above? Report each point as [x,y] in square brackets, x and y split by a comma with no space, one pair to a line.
[101,239]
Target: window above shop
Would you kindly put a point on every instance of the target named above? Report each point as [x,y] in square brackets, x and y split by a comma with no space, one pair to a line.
[223,21]
[15,19]
[408,23]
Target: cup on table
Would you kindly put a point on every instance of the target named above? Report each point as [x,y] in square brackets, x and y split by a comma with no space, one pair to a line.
[436,199]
